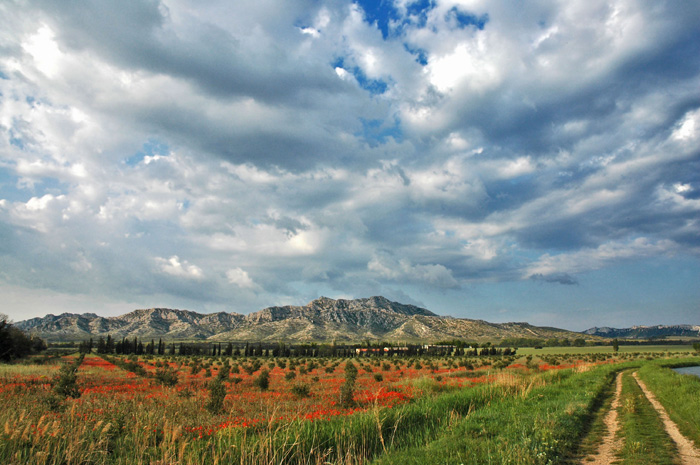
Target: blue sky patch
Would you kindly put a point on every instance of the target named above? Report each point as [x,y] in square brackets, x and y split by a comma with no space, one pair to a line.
[421,56]
[374,86]
[377,131]
[465,20]
[380,12]
[150,148]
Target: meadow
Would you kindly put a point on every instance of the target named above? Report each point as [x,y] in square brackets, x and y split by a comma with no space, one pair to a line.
[198,410]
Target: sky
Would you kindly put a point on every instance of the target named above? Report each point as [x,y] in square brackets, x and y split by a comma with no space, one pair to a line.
[507,161]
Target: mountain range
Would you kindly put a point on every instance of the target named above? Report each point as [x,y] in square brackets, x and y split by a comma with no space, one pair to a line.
[323,319]
[647,332]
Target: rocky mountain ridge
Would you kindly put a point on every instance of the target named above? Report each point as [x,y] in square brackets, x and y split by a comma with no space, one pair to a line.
[323,319]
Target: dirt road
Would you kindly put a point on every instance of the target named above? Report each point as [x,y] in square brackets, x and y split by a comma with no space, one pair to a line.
[611,444]
[689,454]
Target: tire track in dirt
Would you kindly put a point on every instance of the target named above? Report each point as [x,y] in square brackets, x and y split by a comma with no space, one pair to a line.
[606,451]
[690,455]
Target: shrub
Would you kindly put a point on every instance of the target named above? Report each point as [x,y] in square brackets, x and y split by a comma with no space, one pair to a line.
[66,382]
[378,377]
[347,390]
[301,390]
[217,394]
[166,376]
[290,375]
[263,380]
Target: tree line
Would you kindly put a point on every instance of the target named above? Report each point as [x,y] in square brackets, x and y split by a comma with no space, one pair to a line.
[15,343]
[128,346]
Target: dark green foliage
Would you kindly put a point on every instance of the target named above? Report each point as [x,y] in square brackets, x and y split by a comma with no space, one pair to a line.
[347,390]
[66,383]
[301,390]
[16,344]
[166,376]
[223,373]
[290,375]
[263,380]
[217,394]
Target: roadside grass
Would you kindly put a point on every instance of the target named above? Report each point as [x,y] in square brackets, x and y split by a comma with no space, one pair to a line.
[679,394]
[644,438]
[543,424]
[597,429]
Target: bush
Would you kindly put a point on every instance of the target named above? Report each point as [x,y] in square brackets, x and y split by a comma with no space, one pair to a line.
[290,375]
[378,377]
[347,390]
[166,376]
[301,390]
[217,394]
[263,380]
[66,382]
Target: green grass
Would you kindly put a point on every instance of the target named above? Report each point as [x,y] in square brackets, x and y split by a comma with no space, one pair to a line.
[522,417]
[644,438]
[543,425]
[679,394]
[654,349]
[597,429]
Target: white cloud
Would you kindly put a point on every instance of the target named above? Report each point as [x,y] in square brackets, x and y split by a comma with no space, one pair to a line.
[240,278]
[563,131]
[403,270]
[174,267]
[605,254]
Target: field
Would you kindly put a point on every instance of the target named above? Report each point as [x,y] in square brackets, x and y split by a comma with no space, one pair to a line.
[624,349]
[195,409]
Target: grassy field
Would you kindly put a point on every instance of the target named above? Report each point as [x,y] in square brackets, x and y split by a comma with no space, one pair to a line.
[653,349]
[400,411]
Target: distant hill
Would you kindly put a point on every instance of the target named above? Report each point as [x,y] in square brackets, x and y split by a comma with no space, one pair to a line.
[647,332]
[323,319]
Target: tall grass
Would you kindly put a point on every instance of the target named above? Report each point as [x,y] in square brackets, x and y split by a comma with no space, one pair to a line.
[519,417]
[540,422]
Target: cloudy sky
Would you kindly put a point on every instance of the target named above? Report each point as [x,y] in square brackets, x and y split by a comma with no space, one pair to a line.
[509,161]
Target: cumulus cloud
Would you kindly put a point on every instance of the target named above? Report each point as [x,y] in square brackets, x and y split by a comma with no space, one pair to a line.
[387,267]
[174,267]
[331,148]
[240,278]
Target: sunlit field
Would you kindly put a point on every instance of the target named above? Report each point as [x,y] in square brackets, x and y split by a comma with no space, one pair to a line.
[160,409]
[625,349]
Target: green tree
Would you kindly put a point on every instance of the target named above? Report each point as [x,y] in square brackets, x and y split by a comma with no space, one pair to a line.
[217,394]
[615,345]
[347,390]
[263,380]
[66,382]
[14,343]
